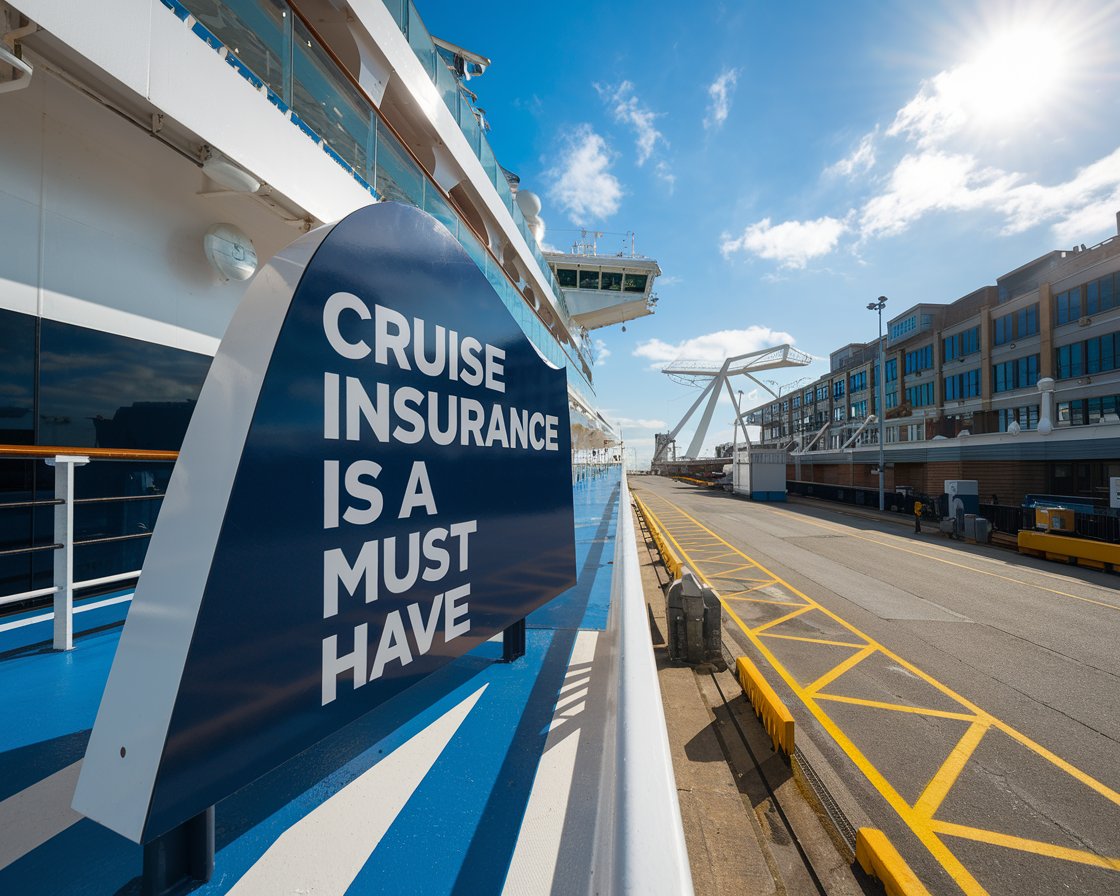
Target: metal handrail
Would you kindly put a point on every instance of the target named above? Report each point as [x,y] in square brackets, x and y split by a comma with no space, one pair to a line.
[66,460]
[42,452]
[646,852]
[78,586]
[52,502]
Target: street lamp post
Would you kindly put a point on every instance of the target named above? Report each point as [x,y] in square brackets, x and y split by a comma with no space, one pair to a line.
[879,305]
[735,444]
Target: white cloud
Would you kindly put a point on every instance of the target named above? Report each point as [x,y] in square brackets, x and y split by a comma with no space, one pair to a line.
[932,181]
[640,423]
[938,110]
[665,173]
[1011,81]
[1082,207]
[582,184]
[861,159]
[1076,209]
[792,243]
[628,109]
[711,346]
[932,154]
[601,352]
[719,97]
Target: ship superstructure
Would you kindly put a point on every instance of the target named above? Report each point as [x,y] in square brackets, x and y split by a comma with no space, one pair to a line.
[159,151]
[156,153]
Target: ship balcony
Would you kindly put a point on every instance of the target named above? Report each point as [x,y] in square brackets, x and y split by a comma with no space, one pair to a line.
[602,291]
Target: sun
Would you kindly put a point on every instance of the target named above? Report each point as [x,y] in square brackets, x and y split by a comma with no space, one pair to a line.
[1015,76]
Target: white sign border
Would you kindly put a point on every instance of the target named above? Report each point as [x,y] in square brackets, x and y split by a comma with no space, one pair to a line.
[123,756]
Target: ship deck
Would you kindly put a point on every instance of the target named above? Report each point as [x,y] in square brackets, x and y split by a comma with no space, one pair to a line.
[496,784]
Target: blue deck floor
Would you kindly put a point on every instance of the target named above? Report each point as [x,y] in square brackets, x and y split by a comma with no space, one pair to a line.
[458,828]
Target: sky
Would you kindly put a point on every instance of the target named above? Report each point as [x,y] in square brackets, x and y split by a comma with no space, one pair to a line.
[787,164]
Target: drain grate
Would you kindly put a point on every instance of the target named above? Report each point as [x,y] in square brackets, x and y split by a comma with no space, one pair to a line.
[831,807]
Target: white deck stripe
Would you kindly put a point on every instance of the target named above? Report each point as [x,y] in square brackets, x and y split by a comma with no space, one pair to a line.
[31,817]
[557,790]
[325,850]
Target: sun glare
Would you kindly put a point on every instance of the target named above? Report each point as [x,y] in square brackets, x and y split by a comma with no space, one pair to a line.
[1016,75]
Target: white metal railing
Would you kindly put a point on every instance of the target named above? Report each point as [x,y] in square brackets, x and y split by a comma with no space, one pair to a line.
[643,849]
[64,585]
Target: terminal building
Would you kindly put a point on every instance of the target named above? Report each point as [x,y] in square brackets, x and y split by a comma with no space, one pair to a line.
[1015,385]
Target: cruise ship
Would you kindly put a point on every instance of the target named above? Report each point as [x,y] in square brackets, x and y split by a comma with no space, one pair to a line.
[157,155]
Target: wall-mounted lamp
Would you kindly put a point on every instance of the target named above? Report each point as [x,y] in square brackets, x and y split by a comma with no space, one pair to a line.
[226,174]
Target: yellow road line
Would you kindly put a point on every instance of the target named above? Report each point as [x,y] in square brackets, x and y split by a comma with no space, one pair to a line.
[762,600]
[840,668]
[812,640]
[920,823]
[898,707]
[726,572]
[943,780]
[750,590]
[1038,847]
[803,608]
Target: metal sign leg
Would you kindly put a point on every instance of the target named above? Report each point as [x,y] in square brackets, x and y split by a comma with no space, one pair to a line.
[513,642]
[181,858]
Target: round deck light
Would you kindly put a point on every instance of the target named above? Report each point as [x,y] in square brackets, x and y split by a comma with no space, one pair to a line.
[230,251]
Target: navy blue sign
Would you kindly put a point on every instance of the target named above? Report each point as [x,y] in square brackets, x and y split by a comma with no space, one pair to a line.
[403,494]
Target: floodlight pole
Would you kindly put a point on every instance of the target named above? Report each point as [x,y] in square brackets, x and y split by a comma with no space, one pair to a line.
[735,442]
[878,305]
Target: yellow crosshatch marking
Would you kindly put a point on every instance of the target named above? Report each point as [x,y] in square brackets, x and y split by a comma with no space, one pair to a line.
[919,816]
[811,640]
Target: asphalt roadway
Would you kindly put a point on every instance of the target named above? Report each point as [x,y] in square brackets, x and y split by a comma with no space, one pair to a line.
[963,699]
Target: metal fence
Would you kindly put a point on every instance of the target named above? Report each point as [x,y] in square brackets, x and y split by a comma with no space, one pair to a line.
[1006,519]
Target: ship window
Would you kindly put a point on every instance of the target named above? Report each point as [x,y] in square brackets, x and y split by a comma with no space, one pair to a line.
[635,282]
[588,279]
[567,277]
[17,378]
[100,389]
[612,280]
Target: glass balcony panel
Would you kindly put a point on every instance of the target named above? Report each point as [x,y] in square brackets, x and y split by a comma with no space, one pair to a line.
[398,9]
[504,191]
[421,42]
[470,127]
[253,30]
[327,102]
[490,164]
[448,86]
[474,248]
[397,176]
[436,206]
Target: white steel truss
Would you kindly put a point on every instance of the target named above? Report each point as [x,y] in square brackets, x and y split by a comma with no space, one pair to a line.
[719,378]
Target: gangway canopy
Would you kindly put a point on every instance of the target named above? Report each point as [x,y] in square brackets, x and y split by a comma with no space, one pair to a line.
[718,374]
